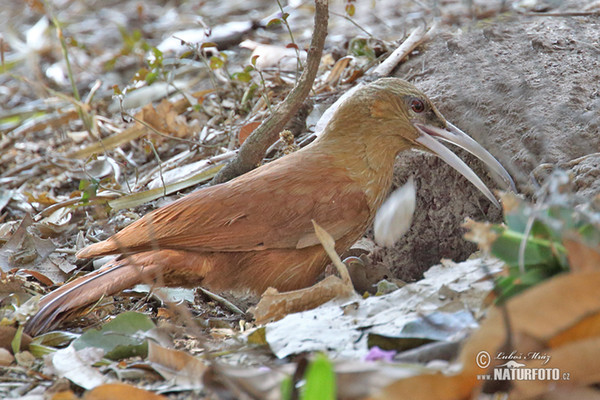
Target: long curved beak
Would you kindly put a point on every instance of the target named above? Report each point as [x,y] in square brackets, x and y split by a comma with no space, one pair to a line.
[430,136]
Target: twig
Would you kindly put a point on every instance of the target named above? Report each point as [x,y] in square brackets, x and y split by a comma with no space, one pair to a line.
[353,22]
[254,147]
[414,39]
[563,14]
[229,305]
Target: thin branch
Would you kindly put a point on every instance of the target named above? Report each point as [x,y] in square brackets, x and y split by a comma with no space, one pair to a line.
[416,37]
[254,147]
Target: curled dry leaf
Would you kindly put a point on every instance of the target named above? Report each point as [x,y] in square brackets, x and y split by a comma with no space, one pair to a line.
[480,233]
[336,72]
[165,118]
[274,305]
[177,366]
[76,365]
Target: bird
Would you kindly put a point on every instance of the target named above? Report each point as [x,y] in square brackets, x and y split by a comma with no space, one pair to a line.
[255,231]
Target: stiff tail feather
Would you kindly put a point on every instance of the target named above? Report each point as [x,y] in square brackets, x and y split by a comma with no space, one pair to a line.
[61,303]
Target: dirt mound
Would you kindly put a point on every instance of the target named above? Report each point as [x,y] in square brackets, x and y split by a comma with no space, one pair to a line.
[528,90]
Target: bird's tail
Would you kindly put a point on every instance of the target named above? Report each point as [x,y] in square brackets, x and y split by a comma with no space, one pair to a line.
[70,298]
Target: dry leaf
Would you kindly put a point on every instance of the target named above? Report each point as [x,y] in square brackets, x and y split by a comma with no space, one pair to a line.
[176,366]
[109,143]
[246,130]
[166,119]
[120,391]
[581,257]
[577,361]
[6,358]
[23,250]
[480,233]
[76,365]
[336,72]
[274,305]
[429,387]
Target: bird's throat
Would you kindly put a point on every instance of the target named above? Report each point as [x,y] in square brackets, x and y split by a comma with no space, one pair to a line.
[369,163]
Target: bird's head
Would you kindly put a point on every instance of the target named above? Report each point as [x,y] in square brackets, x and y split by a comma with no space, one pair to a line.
[392,115]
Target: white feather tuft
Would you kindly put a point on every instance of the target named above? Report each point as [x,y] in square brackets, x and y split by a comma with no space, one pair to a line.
[394,217]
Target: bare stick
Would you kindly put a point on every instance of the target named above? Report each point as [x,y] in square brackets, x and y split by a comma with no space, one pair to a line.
[416,37]
[253,150]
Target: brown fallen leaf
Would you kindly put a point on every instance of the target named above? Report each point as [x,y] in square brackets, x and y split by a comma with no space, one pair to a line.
[165,118]
[274,306]
[176,366]
[7,334]
[336,72]
[246,130]
[577,361]
[120,391]
[581,256]
[6,358]
[588,327]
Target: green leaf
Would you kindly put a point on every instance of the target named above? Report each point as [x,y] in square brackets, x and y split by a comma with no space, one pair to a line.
[320,380]
[120,338]
[89,189]
[242,76]
[55,338]
[359,47]
[350,10]
[157,60]
[286,388]
[274,22]
[140,75]
[15,344]
[537,251]
[151,77]
[216,62]
[40,350]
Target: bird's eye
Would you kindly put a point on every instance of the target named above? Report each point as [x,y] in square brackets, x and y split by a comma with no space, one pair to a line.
[417,105]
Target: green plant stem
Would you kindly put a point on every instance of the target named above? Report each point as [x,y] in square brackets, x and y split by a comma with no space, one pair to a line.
[298,61]
[510,234]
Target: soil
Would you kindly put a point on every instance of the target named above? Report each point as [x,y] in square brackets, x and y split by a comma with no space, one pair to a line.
[528,90]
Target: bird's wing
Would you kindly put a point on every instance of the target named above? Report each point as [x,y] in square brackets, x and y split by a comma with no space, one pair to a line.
[270,207]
